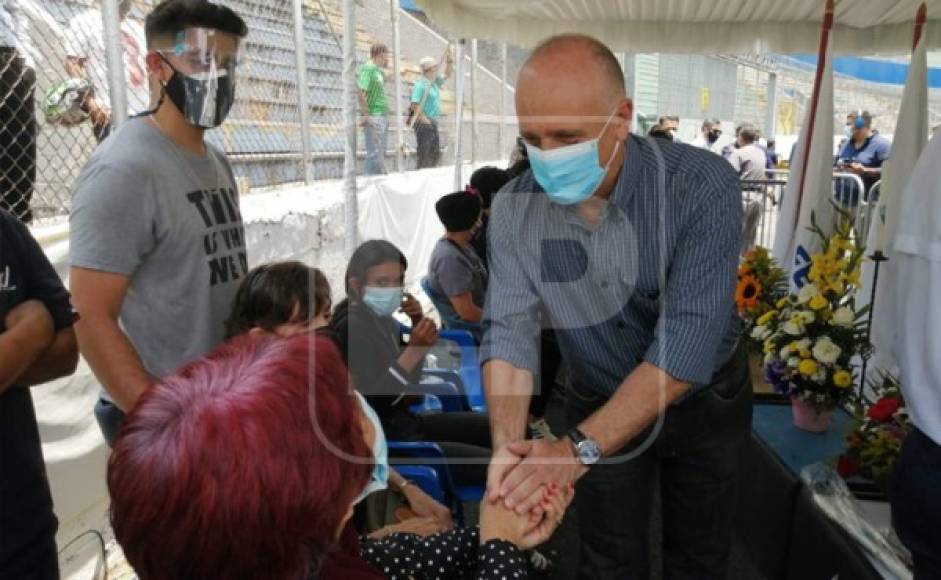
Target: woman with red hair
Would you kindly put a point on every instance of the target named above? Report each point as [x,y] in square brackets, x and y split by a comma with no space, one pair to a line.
[247,464]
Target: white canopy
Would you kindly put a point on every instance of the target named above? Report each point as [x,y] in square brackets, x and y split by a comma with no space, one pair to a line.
[694,26]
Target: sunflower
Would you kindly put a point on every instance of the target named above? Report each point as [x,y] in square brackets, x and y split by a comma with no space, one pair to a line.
[747,292]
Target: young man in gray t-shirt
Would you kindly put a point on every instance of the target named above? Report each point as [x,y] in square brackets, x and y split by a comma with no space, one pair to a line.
[157,242]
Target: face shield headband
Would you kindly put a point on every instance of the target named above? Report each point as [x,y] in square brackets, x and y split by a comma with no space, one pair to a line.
[204,65]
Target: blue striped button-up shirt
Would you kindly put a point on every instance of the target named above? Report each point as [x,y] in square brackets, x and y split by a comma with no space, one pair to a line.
[653,281]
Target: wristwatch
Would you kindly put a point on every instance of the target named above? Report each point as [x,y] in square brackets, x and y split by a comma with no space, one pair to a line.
[587,451]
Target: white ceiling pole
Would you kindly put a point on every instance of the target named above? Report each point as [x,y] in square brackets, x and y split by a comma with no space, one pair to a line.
[473,102]
[503,99]
[397,74]
[458,115]
[300,59]
[114,57]
[351,124]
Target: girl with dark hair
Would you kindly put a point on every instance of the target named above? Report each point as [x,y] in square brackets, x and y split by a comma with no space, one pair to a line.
[382,365]
[289,298]
[285,298]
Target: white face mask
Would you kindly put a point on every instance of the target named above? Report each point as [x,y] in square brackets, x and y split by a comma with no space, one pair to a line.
[379,479]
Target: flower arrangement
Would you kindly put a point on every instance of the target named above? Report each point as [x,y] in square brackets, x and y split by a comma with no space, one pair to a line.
[761,284]
[877,438]
[809,338]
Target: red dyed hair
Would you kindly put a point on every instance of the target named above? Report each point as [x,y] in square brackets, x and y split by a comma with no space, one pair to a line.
[220,471]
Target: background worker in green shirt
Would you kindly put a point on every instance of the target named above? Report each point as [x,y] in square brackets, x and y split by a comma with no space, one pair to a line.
[425,109]
[374,108]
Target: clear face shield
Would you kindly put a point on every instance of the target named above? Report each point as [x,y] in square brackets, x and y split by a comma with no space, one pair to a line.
[204,62]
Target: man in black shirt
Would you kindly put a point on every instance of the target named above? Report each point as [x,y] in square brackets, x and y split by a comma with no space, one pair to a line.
[37,345]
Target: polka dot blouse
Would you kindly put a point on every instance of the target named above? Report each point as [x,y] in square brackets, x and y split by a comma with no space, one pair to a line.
[454,554]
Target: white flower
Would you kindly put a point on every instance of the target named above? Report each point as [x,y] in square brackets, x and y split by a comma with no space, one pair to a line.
[808,316]
[793,328]
[760,332]
[820,376]
[793,362]
[804,344]
[807,292]
[769,358]
[844,316]
[826,351]
[785,352]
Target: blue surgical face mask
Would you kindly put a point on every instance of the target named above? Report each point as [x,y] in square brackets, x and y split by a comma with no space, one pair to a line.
[570,174]
[383,301]
[379,479]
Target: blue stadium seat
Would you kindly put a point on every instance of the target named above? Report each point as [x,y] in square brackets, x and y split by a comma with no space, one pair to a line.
[428,454]
[467,377]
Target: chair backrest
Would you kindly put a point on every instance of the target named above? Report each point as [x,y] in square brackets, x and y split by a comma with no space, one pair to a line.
[426,478]
[427,453]
[441,303]
[469,371]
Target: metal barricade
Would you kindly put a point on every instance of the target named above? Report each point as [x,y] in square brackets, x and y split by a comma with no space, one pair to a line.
[762,200]
[760,207]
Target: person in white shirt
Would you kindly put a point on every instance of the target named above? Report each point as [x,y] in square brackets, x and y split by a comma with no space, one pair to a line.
[85,58]
[916,261]
[710,135]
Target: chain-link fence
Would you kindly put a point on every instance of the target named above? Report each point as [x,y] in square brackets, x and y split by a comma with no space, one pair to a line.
[56,102]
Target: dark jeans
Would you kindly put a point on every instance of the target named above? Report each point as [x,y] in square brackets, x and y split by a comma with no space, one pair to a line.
[39,562]
[549,360]
[696,452]
[110,418]
[429,146]
[916,503]
[463,437]
[17,135]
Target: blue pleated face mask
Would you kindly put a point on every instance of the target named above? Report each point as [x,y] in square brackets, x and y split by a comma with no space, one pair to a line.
[379,478]
[570,174]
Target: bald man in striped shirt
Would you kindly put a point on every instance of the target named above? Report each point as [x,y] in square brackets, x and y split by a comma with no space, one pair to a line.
[631,246]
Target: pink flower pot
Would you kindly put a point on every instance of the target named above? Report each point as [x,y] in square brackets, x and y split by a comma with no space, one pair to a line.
[810,418]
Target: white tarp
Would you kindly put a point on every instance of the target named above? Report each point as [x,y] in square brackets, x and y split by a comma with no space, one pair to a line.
[685,26]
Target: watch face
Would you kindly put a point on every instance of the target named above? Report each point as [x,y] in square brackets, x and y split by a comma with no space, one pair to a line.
[588,452]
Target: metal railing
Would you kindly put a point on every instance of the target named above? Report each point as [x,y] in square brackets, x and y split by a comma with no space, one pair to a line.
[762,201]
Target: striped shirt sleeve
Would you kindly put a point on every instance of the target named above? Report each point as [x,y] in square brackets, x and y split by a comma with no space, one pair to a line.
[511,321]
[698,299]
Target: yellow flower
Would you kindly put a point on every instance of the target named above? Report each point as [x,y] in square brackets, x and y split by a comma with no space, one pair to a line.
[769,346]
[842,379]
[819,303]
[853,277]
[782,302]
[804,353]
[767,317]
[807,367]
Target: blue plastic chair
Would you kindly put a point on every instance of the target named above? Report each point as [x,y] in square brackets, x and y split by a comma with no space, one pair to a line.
[441,395]
[449,318]
[426,478]
[433,456]
[467,377]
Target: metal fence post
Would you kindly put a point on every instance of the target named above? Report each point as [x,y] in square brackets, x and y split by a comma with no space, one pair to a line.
[771,115]
[458,114]
[397,74]
[473,101]
[114,55]
[350,107]
[300,56]
[502,127]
